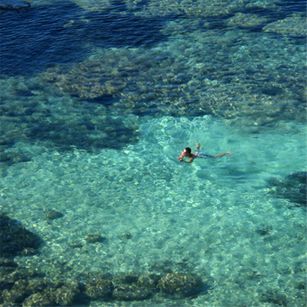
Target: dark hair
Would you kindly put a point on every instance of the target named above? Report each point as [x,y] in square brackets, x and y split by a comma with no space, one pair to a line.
[188,149]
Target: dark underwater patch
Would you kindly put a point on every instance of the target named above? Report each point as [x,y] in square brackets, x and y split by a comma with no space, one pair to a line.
[14,238]
[293,6]
[293,188]
[65,135]
[62,124]
[38,38]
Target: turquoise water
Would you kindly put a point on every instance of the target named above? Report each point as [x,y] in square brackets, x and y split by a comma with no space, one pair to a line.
[96,135]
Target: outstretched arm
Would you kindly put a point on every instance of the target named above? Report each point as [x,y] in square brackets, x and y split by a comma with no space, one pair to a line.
[180,158]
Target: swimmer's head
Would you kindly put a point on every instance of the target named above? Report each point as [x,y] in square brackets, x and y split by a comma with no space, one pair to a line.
[188,150]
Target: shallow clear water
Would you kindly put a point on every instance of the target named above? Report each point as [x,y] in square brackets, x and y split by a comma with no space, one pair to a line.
[99,134]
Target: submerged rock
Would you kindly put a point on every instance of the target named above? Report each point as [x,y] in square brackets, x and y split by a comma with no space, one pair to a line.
[53,214]
[93,79]
[293,187]
[132,292]
[9,277]
[22,289]
[40,292]
[67,294]
[126,235]
[39,299]
[246,20]
[11,157]
[126,287]
[261,4]
[293,26]
[37,290]
[95,238]
[14,238]
[149,281]
[131,287]
[76,244]
[99,288]
[264,230]
[182,285]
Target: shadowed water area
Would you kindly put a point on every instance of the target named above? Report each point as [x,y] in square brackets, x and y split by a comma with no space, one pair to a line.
[98,99]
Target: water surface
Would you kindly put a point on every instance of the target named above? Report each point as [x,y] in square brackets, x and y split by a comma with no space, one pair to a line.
[97,100]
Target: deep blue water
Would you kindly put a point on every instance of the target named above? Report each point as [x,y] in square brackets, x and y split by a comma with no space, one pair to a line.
[34,39]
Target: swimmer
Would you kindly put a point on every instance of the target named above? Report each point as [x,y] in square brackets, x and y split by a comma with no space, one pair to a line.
[187,152]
